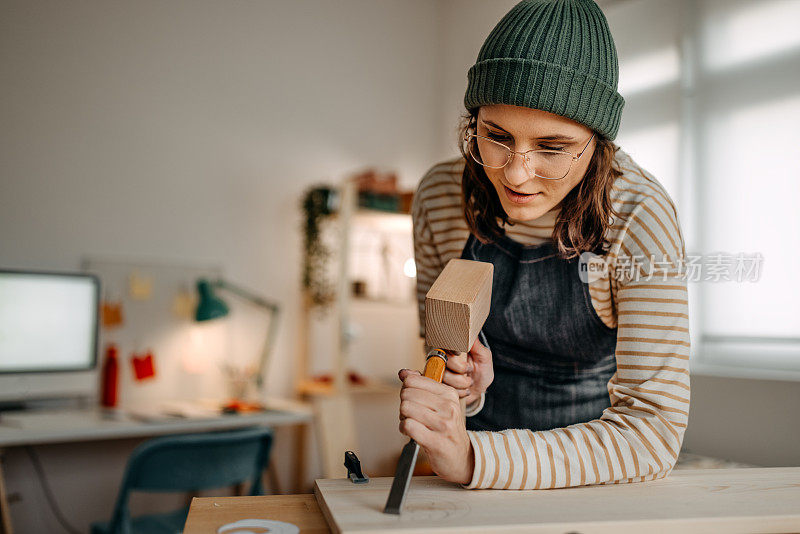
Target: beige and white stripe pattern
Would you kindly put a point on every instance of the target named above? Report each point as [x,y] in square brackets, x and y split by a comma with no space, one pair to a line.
[639,436]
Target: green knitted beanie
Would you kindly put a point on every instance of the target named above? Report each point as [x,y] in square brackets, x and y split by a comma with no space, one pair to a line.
[553,55]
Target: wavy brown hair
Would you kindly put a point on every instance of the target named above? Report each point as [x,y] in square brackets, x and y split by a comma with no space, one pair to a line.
[586,212]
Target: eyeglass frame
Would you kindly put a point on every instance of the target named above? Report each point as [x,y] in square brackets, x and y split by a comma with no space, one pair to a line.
[524,155]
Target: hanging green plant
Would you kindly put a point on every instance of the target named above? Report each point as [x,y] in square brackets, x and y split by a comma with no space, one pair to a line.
[317,205]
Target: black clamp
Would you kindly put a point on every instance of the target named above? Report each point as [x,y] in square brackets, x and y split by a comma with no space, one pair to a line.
[354,468]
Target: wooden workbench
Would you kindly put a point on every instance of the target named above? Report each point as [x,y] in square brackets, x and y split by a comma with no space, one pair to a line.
[208,514]
[693,501]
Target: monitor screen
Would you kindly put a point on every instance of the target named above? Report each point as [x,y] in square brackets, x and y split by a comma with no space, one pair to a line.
[48,322]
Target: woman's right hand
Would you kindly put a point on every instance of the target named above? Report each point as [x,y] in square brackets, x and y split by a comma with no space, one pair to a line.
[470,373]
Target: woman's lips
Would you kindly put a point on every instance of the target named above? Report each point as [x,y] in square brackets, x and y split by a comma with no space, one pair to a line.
[519,198]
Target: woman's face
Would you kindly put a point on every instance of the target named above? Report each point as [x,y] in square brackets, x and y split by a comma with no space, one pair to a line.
[524,196]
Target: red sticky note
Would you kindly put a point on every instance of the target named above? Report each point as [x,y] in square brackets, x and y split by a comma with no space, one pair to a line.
[111,313]
[143,367]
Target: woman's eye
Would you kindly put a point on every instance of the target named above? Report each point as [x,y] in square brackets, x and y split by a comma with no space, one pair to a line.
[505,139]
[497,137]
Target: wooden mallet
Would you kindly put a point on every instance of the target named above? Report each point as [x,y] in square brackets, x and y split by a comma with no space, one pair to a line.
[456,307]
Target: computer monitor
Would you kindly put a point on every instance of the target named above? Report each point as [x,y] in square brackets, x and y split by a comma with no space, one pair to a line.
[48,335]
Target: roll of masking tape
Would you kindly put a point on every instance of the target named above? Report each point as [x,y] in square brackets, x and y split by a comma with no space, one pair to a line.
[261,526]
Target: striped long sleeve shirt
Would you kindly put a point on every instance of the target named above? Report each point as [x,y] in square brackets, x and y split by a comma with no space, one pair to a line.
[643,295]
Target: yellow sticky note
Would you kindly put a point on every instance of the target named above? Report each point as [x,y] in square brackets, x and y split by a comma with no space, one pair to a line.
[183,305]
[140,286]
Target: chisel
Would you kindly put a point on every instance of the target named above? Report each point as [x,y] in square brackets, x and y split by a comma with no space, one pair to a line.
[434,368]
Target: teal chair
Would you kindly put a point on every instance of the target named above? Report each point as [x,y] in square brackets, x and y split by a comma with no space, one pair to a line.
[187,463]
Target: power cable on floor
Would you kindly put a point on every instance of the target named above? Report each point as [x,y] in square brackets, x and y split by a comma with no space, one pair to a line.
[48,493]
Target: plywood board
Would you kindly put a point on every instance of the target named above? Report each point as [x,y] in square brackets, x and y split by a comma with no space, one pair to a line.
[702,500]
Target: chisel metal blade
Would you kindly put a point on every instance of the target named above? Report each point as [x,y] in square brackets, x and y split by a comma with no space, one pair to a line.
[402,478]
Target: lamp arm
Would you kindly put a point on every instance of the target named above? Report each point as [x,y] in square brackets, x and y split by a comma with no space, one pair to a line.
[247,295]
[266,352]
[269,342]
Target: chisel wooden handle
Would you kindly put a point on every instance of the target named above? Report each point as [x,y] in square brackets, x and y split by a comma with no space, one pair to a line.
[435,364]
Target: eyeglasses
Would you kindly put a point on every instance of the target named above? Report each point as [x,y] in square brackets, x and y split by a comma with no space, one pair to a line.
[546,163]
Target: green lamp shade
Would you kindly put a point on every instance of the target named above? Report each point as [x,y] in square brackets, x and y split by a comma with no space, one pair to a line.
[209,306]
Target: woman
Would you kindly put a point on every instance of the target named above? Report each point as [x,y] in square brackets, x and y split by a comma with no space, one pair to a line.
[584,381]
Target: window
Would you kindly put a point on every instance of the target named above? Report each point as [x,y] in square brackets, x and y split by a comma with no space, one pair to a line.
[712,96]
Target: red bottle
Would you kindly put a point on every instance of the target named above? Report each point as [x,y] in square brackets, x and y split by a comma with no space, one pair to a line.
[110,377]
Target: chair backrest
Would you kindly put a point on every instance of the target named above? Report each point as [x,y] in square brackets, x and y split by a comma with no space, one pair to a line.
[194,462]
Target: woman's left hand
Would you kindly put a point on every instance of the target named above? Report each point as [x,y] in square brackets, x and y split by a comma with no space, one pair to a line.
[430,414]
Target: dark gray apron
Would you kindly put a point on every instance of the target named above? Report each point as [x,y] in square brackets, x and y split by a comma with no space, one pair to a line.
[553,356]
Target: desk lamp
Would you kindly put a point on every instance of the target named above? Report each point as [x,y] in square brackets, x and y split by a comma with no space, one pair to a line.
[210,306]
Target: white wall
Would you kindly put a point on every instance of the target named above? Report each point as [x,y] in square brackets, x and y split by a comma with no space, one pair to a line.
[187,131]
[465,25]
[745,420]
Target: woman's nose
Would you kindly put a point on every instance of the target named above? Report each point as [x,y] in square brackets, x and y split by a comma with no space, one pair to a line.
[516,171]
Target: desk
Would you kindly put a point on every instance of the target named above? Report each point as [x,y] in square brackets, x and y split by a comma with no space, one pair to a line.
[92,424]
[691,500]
[207,514]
